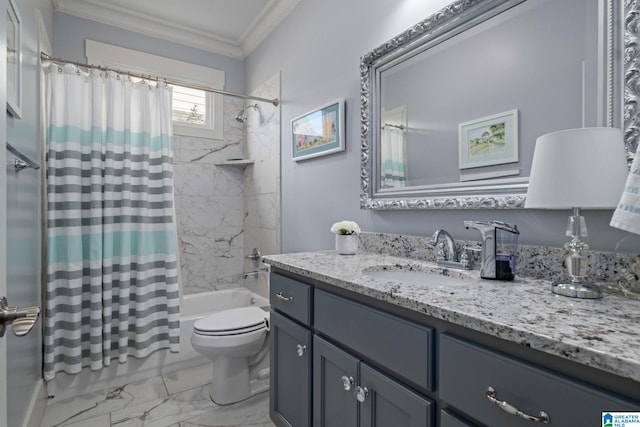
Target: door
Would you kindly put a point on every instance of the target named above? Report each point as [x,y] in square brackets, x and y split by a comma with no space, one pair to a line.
[290,397]
[3,212]
[384,402]
[335,376]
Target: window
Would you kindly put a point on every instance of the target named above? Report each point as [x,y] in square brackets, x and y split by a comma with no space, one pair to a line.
[189,106]
[195,112]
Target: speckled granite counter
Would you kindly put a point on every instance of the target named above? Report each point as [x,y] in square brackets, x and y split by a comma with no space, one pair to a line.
[604,334]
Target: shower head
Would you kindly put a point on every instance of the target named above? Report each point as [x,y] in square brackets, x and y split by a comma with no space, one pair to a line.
[242,115]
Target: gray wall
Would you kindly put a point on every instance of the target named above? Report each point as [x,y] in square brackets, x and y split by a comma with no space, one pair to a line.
[24,205]
[317,48]
[71,32]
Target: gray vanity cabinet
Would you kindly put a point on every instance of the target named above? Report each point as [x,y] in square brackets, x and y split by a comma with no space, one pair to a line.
[338,361]
[290,391]
[349,393]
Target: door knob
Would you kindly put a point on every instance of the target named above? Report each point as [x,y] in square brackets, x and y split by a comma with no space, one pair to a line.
[21,318]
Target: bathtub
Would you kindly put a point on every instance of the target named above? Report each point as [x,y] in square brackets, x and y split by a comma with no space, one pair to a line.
[193,307]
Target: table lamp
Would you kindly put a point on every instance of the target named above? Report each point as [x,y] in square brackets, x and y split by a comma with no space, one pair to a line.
[577,169]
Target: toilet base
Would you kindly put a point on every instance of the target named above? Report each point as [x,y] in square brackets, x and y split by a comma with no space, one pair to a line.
[231,383]
[257,387]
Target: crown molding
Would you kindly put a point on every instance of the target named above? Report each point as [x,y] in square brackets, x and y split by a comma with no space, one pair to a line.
[109,14]
[265,23]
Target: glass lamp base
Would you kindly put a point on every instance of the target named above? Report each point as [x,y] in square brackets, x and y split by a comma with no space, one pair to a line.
[584,290]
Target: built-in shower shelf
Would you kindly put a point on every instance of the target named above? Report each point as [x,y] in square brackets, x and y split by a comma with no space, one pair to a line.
[241,163]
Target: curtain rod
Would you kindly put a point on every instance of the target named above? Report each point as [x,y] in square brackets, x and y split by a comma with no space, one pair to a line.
[46,57]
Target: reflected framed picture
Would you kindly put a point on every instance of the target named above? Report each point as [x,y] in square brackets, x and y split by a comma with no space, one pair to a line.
[14,60]
[487,141]
[319,132]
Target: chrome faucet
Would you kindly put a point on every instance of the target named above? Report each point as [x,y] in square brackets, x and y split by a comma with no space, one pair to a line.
[450,255]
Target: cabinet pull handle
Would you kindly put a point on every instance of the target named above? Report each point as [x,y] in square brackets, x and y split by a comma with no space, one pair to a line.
[510,409]
[284,297]
[301,350]
[361,394]
[347,382]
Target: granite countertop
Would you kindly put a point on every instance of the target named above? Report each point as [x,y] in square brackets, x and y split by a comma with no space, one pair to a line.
[604,334]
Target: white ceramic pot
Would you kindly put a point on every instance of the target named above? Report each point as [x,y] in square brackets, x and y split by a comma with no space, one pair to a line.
[346,244]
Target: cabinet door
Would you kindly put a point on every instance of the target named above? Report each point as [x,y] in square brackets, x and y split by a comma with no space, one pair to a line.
[335,376]
[449,420]
[290,393]
[388,403]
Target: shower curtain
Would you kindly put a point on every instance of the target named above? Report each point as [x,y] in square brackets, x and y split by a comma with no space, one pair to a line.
[112,274]
[393,157]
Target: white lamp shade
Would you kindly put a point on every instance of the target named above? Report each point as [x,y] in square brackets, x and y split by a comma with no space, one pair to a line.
[582,168]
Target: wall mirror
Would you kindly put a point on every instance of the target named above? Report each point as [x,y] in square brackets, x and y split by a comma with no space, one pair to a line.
[451,108]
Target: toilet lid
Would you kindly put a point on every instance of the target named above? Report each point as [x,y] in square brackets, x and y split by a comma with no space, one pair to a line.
[233,321]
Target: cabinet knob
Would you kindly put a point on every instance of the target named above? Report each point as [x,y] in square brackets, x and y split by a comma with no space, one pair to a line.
[301,350]
[543,417]
[361,394]
[347,382]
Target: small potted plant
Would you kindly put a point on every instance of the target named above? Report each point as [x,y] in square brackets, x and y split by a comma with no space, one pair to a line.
[346,237]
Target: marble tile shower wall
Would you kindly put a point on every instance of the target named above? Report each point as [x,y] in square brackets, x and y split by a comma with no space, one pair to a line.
[210,207]
[262,181]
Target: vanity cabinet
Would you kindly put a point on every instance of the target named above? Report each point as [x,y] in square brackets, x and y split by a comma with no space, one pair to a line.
[345,364]
[341,359]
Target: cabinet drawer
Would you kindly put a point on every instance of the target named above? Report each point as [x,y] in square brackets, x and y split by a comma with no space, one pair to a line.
[291,297]
[397,345]
[468,370]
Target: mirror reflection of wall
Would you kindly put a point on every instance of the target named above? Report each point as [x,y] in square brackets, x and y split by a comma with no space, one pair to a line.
[539,57]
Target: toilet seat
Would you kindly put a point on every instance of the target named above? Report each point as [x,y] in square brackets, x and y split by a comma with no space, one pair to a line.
[235,321]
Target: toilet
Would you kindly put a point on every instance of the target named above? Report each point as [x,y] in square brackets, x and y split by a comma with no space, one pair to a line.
[233,340]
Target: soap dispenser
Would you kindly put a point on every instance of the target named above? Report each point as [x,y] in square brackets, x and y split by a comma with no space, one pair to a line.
[499,248]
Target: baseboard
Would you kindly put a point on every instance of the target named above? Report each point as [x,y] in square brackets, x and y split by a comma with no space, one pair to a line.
[37,405]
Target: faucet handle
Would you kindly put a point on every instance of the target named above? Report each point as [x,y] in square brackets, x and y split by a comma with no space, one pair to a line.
[476,247]
[442,255]
[464,256]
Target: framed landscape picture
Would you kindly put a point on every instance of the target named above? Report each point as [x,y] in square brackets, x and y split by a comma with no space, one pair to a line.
[319,132]
[487,141]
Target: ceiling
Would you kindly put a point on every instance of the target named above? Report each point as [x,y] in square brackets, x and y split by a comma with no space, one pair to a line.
[228,27]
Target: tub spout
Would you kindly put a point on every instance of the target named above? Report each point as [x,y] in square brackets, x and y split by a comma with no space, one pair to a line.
[253,274]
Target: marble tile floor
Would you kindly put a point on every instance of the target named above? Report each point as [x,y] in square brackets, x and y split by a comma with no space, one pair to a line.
[178,399]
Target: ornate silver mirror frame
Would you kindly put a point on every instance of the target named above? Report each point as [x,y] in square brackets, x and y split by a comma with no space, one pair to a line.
[622,94]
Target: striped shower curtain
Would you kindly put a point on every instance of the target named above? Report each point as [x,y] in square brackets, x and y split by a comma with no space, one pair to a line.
[112,282]
[393,157]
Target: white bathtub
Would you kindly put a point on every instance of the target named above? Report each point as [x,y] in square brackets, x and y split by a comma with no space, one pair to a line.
[193,307]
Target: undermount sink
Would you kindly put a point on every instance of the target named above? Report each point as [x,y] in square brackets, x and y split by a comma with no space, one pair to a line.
[416,275]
